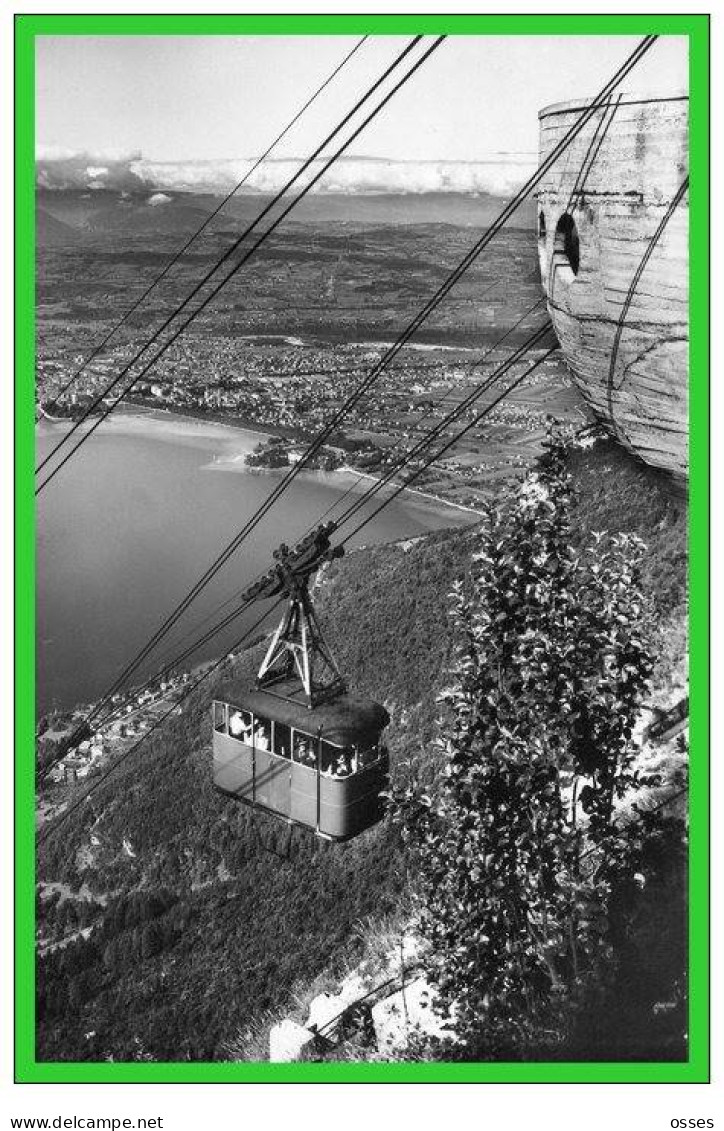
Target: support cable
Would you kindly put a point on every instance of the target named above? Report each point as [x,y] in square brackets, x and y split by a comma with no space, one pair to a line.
[349,403]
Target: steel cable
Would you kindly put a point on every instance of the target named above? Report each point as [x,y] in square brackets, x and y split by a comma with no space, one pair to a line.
[390,354]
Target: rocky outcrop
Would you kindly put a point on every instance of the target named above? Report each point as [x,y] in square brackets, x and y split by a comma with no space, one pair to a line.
[389,1019]
[613,251]
[387,1008]
[404,1015]
[287,1041]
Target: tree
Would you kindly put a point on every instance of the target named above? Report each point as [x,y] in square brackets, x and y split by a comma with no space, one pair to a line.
[517,849]
[151,940]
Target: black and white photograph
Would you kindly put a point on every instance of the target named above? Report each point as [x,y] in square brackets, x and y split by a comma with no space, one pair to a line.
[362,452]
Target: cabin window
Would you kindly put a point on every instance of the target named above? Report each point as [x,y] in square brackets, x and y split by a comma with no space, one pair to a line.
[240,725]
[369,755]
[336,761]
[304,747]
[262,734]
[220,717]
[282,740]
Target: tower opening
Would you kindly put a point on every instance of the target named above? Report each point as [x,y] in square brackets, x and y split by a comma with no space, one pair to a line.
[567,245]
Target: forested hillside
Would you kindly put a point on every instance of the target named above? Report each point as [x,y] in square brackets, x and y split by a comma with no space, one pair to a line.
[203,914]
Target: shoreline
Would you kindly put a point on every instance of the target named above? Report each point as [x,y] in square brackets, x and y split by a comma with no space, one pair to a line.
[177,426]
[169,422]
[339,478]
[425,495]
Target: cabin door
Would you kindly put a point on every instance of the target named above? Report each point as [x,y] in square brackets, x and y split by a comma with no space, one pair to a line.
[272,781]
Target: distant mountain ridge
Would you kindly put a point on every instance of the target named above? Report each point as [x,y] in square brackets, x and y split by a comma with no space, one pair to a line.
[67,217]
[53,232]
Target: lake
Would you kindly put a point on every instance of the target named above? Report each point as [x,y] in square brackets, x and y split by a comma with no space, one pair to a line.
[135,518]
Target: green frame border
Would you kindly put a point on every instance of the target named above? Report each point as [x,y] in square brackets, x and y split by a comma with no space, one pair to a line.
[27,27]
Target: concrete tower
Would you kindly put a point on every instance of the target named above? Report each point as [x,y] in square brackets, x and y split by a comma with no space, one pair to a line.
[613,247]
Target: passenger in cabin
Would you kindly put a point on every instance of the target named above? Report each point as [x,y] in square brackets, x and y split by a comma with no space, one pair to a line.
[281,742]
[240,726]
[303,751]
[344,763]
[330,767]
[236,724]
[326,760]
[336,763]
[261,737]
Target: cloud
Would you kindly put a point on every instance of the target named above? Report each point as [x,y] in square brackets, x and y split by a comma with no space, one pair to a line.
[502,173]
[159,198]
[59,169]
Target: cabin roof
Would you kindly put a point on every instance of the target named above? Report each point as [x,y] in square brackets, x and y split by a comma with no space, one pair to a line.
[344,720]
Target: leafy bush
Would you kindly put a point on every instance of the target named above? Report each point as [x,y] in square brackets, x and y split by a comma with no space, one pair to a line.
[519,848]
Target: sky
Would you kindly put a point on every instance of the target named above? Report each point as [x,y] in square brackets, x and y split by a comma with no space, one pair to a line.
[179,112]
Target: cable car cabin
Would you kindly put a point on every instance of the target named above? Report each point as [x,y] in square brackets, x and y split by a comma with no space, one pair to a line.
[297,744]
[323,768]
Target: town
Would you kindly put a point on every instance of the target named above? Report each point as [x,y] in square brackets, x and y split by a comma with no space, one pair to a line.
[128,717]
[319,309]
